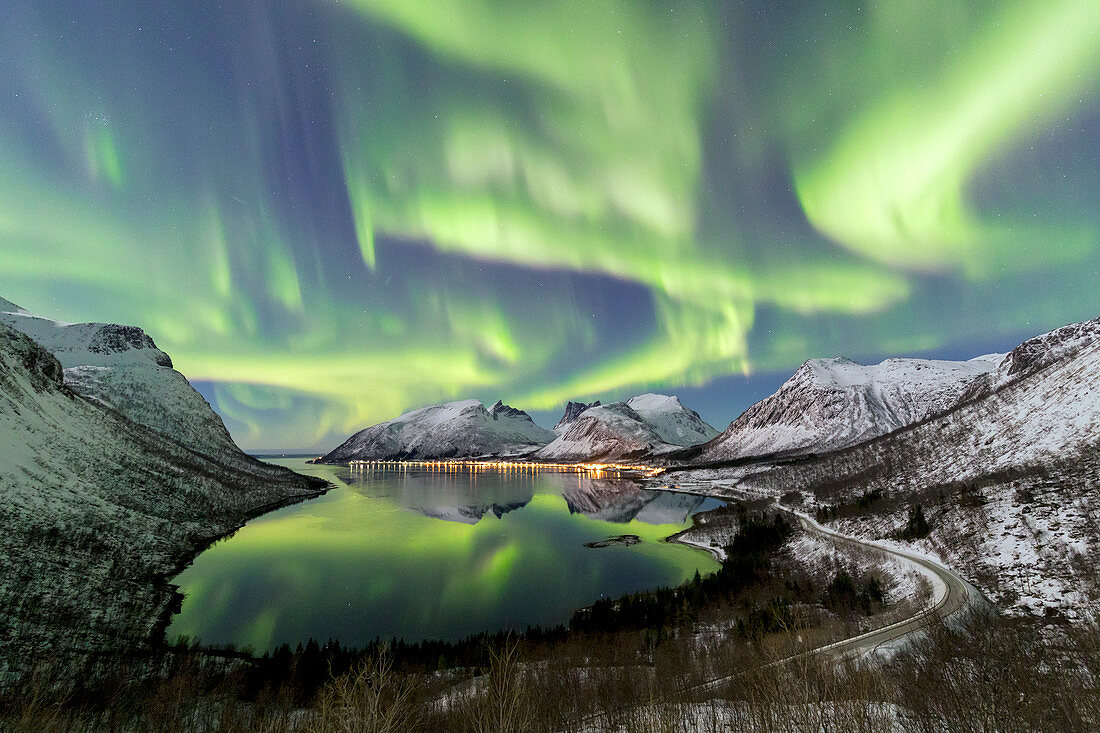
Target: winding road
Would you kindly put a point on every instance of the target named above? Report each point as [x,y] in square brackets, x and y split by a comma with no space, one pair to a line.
[950,594]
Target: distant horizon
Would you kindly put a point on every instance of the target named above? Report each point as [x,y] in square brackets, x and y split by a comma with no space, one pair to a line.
[753,389]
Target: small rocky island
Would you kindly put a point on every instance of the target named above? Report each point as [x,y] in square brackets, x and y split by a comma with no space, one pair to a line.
[624,539]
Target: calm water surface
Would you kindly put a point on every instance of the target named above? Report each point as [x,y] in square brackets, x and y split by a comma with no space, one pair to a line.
[420,554]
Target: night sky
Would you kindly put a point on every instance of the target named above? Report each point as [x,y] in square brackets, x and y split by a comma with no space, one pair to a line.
[331,212]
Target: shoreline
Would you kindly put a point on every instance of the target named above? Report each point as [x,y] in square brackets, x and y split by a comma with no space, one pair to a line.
[163,584]
[158,641]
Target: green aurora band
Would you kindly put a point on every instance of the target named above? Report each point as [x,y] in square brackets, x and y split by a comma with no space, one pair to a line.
[330,213]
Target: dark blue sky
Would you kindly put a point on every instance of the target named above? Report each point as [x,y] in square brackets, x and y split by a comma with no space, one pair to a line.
[329,213]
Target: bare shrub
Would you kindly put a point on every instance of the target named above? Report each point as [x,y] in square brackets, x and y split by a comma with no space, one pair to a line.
[372,697]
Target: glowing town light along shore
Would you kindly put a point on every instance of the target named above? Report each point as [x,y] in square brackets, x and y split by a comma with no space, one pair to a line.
[460,465]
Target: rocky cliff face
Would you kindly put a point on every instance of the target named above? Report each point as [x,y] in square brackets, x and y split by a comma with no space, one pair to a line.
[451,430]
[572,412]
[98,509]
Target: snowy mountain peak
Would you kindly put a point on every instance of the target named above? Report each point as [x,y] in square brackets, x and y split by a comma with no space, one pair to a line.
[832,403]
[674,423]
[841,372]
[87,344]
[643,425]
[463,429]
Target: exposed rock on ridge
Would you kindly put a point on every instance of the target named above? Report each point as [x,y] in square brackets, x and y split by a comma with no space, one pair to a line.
[572,412]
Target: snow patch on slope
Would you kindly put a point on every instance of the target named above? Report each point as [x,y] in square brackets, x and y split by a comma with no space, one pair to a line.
[673,423]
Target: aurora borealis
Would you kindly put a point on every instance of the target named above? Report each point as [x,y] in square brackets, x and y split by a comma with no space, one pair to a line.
[330,212]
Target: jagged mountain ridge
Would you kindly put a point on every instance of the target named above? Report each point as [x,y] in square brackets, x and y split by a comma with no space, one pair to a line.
[644,425]
[832,403]
[98,512]
[463,429]
[572,412]
[466,429]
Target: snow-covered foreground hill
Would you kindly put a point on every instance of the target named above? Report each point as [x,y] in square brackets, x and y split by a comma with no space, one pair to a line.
[121,368]
[833,403]
[1008,477]
[645,425]
[452,430]
[98,510]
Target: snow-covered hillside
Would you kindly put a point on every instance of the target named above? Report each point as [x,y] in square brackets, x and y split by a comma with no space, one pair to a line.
[98,512]
[832,403]
[1007,477]
[121,368]
[451,430]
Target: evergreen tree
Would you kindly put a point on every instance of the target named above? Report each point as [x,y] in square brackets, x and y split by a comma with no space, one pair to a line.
[917,526]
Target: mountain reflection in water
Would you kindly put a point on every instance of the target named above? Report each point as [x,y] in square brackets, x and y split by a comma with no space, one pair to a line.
[372,558]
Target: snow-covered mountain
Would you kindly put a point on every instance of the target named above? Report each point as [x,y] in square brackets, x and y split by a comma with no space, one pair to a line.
[673,423]
[1006,476]
[99,511]
[121,368]
[451,430]
[644,425]
[468,514]
[832,403]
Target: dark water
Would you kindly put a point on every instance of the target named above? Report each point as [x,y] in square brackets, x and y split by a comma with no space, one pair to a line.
[431,554]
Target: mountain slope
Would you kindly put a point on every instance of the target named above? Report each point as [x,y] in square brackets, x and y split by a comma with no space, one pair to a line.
[832,403]
[1007,477]
[572,411]
[98,512]
[451,430]
[673,423]
[121,368]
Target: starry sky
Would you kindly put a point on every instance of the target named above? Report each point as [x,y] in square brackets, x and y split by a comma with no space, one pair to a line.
[332,211]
